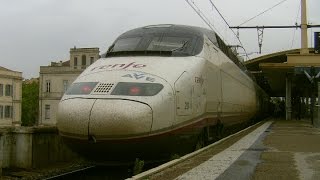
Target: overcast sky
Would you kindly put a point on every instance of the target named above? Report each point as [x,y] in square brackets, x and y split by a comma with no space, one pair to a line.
[35,32]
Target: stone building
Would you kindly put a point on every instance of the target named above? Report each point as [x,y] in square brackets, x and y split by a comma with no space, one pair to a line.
[10,97]
[56,78]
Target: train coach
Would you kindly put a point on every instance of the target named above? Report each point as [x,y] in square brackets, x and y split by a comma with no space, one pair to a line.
[159,90]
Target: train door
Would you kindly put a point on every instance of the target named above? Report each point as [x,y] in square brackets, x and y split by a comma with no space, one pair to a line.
[183,90]
[213,83]
[199,93]
[214,92]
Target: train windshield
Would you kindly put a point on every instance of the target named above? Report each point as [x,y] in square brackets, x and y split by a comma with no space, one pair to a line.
[168,43]
[157,44]
[127,44]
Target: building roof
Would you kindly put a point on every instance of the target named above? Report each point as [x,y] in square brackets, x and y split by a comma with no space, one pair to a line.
[7,73]
[75,49]
[66,63]
[60,64]
[4,69]
[9,70]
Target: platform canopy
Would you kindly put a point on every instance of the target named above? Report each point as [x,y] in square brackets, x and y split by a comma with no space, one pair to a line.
[272,70]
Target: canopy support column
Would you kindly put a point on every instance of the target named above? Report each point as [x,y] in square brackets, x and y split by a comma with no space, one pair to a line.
[288,97]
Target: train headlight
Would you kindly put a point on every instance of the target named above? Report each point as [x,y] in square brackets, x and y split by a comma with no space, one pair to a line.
[137,89]
[81,88]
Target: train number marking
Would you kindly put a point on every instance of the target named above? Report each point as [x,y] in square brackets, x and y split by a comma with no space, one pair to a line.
[186,105]
[199,80]
[139,76]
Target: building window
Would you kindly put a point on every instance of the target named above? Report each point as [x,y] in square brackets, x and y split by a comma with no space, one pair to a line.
[47,112]
[84,60]
[48,86]
[8,112]
[1,89]
[65,85]
[8,90]
[91,60]
[1,112]
[75,61]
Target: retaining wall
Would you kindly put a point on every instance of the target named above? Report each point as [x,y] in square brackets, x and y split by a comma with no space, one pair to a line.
[32,147]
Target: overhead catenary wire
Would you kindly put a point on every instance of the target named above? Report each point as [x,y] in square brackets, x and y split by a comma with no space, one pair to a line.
[202,16]
[251,27]
[219,13]
[262,12]
[237,36]
[207,21]
[295,30]
[274,27]
[262,27]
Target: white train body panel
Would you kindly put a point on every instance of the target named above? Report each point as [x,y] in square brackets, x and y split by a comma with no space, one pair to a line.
[198,91]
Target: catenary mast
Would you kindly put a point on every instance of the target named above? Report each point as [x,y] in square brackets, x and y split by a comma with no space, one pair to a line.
[304,28]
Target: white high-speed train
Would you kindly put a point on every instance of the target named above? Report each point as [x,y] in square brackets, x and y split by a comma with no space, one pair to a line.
[160,90]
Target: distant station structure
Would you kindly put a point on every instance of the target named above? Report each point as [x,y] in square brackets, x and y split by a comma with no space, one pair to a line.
[285,74]
[292,74]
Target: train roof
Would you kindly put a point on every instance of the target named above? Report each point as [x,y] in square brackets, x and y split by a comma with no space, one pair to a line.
[173,28]
[187,30]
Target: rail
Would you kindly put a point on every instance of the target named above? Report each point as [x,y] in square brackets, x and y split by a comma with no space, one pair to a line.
[69,173]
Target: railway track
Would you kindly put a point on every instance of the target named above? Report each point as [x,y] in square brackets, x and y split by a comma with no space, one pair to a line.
[125,172]
[169,169]
[70,174]
[94,173]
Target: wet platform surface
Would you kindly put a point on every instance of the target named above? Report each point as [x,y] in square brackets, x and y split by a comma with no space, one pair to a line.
[293,152]
[276,149]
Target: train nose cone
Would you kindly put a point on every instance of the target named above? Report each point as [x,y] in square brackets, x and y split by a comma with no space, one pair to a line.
[119,118]
[73,117]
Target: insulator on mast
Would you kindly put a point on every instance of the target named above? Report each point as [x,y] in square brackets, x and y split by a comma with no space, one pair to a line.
[260,38]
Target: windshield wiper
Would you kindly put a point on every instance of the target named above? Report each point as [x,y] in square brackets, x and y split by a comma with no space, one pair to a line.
[182,47]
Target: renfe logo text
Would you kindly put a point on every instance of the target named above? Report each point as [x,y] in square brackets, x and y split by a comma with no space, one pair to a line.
[119,66]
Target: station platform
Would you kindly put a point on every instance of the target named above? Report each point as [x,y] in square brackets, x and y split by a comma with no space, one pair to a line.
[274,149]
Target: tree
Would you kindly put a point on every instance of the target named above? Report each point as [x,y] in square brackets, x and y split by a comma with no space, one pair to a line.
[30,103]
